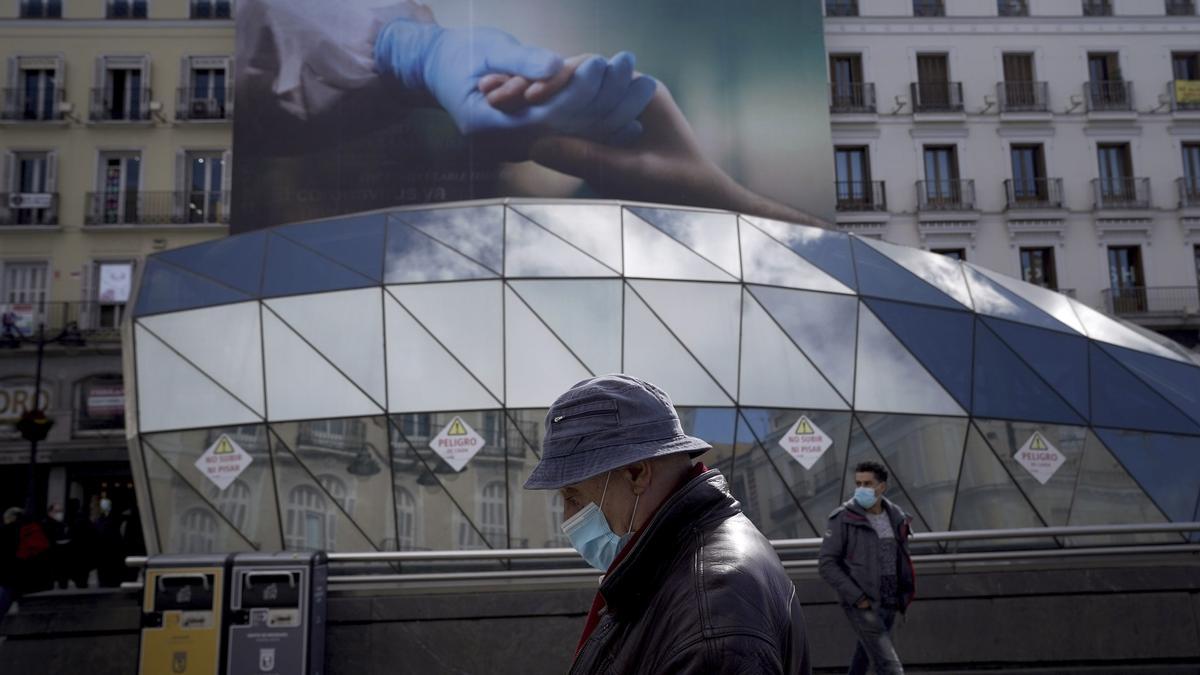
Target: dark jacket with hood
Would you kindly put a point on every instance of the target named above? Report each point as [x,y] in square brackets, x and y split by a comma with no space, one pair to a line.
[849,557]
[701,590]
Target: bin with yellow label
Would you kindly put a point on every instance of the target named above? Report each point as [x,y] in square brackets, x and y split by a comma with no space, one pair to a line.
[183,605]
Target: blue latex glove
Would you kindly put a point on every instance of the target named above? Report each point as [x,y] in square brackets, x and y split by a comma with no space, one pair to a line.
[601,102]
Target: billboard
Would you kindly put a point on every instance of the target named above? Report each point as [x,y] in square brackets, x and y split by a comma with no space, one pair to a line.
[352,106]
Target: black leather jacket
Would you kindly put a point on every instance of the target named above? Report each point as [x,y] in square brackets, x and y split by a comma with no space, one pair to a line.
[701,591]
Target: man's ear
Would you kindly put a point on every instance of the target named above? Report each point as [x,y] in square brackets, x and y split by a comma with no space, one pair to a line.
[640,475]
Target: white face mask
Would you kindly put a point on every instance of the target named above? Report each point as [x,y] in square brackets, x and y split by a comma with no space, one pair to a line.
[57,515]
[105,505]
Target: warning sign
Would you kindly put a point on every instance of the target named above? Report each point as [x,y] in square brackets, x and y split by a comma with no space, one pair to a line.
[223,462]
[805,442]
[457,443]
[1039,457]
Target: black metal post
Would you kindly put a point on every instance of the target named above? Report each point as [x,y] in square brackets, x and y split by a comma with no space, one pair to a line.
[31,510]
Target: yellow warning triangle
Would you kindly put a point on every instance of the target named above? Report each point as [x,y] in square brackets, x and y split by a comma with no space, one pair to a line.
[1039,443]
[803,427]
[457,428]
[224,447]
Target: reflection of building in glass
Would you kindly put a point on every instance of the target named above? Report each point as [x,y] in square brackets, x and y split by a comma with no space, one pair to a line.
[334,352]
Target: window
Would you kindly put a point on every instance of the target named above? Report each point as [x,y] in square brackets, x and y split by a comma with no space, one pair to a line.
[853,169]
[206,92]
[41,9]
[1029,174]
[952,253]
[100,404]
[24,291]
[1106,88]
[1126,282]
[841,7]
[234,503]
[1117,185]
[848,91]
[31,198]
[1196,254]
[406,520]
[127,9]
[307,522]
[1012,7]
[416,427]
[112,281]
[212,9]
[36,89]
[117,193]
[941,176]
[1020,91]
[491,515]
[1097,8]
[1190,191]
[933,91]
[337,489]
[197,531]
[1037,267]
[1185,65]
[123,93]
[929,8]
[1180,7]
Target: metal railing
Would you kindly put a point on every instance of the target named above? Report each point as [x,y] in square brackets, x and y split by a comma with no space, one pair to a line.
[97,321]
[21,208]
[126,9]
[929,8]
[42,104]
[132,105]
[860,196]
[946,195]
[936,96]
[1023,96]
[1097,8]
[1109,95]
[1189,192]
[191,105]
[1147,301]
[1012,7]
[1191,101]
[1180,7]
[148,208]
[41,9]
[1034,193]
[841,7]
[852,97]
[1121,193]
[212,9]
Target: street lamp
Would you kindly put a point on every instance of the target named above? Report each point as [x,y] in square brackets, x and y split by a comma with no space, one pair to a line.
[34,425]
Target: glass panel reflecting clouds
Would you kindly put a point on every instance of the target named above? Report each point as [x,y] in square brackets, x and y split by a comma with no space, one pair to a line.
[882,277]
[942,272]
[826,249]
[766,261]
[1051,302]
[413,256]
[165,288]
[924,455]
[712,235]
[546,368]
[774,371]
[595,228]
[235,262]
[291,268]
[940,339]
[584,314]
[828,341]
[649,252]
[995,300]
[889,379]
[1105,329]
[658,357]
[705,317]
[356,241]
[474,231]
[531,251]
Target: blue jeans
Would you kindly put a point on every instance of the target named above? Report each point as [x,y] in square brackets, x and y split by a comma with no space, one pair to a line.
[874,629]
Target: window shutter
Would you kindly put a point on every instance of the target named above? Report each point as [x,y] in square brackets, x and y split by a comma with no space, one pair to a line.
[8,175]
[181,196]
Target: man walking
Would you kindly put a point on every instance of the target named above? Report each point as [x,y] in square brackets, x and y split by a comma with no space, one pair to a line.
[690,585]
[865,558]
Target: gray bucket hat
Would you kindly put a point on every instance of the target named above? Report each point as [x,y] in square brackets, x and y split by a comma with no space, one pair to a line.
[605,423]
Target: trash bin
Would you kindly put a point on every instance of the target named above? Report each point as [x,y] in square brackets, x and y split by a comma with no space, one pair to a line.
[277,614]
[183,602]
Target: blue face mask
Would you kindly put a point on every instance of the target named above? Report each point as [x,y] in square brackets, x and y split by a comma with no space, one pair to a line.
[865,497]
[592,537]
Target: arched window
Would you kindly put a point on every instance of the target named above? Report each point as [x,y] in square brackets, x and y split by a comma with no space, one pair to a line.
[234,503]
[406,520]
[556,537]
[337,489]
[490,513]
[197,531]
[307,520]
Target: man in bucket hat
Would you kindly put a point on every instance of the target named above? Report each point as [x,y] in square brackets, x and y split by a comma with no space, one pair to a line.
[690,585]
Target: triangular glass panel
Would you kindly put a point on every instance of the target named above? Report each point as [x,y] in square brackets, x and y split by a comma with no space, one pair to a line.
[889,379]
[774,372]
[1181,353]
[715,425]
[422,375]
[191,525]
[584,314]
[1051,302]
[924,454]
[248,502]
[538,365]
[995,300]
[1106,329]
[863,450]
[822,325]
[705,317]
[761,490]
[939,271]
[234,261]
[653,354]
[1060,359]
[474,231]
[1105,494]
[882,277]
[710,234]
[354,241]
[766,261]
[224,342]
[1164,465]
[1178,382]
[1007,388]
[651,253]
[295,370]
[939,338]
[594,228]
[322,319]
[165,288]
[467,318]
[828,250]
[292,269]
[1032,452]
[1120,399]
[531,251]
[988,499]
[414,256]
[312,518]
[173,394]
[351,465]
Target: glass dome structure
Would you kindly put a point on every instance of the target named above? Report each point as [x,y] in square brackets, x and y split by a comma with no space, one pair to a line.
[331,354]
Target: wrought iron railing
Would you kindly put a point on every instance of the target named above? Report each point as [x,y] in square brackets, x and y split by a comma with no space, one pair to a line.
[852,97]
[929,8]
[1149,301]
[1097,8]
[1189,192]
[1034,193]
[24,208]
[1109,95]
[150,208]
[841,7]
[212,9]
[1121,193]
[1012,7]
[936,96]
[861,196]
[126,9]
[192,105]
[98,321]
[132,105]
[1023,96]
[40,104]
[1180,7]
[41,9]
[957,194]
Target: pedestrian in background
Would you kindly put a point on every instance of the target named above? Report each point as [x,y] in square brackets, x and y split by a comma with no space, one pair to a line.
[8,559]
[110,549]
[81,549]
[57,558]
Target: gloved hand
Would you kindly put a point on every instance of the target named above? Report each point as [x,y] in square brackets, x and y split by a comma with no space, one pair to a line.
[601,101]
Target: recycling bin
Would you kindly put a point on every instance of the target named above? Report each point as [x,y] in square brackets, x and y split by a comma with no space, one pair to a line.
[183,603]
[276,622]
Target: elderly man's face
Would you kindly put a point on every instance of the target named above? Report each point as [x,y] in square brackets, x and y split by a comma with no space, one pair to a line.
[617,504]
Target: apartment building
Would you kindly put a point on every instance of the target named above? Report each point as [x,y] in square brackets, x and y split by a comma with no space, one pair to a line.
[1054,140]
[115,137]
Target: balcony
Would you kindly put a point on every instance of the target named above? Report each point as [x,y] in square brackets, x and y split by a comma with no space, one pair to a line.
[856,196]
[936,97]
[1185,95]
[1028,194]
[1121,193]
[1181,8]
[841,7]
[28,209]
[1189,192]
[1109,96]
[190,106]
[946,195]
[32,105]
[1023,97]
[852,98]
[156,208]
[96,322]
[1097,8]
[1158,306]
[1012,7]
[929,8]
[128,106]
[41,9]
